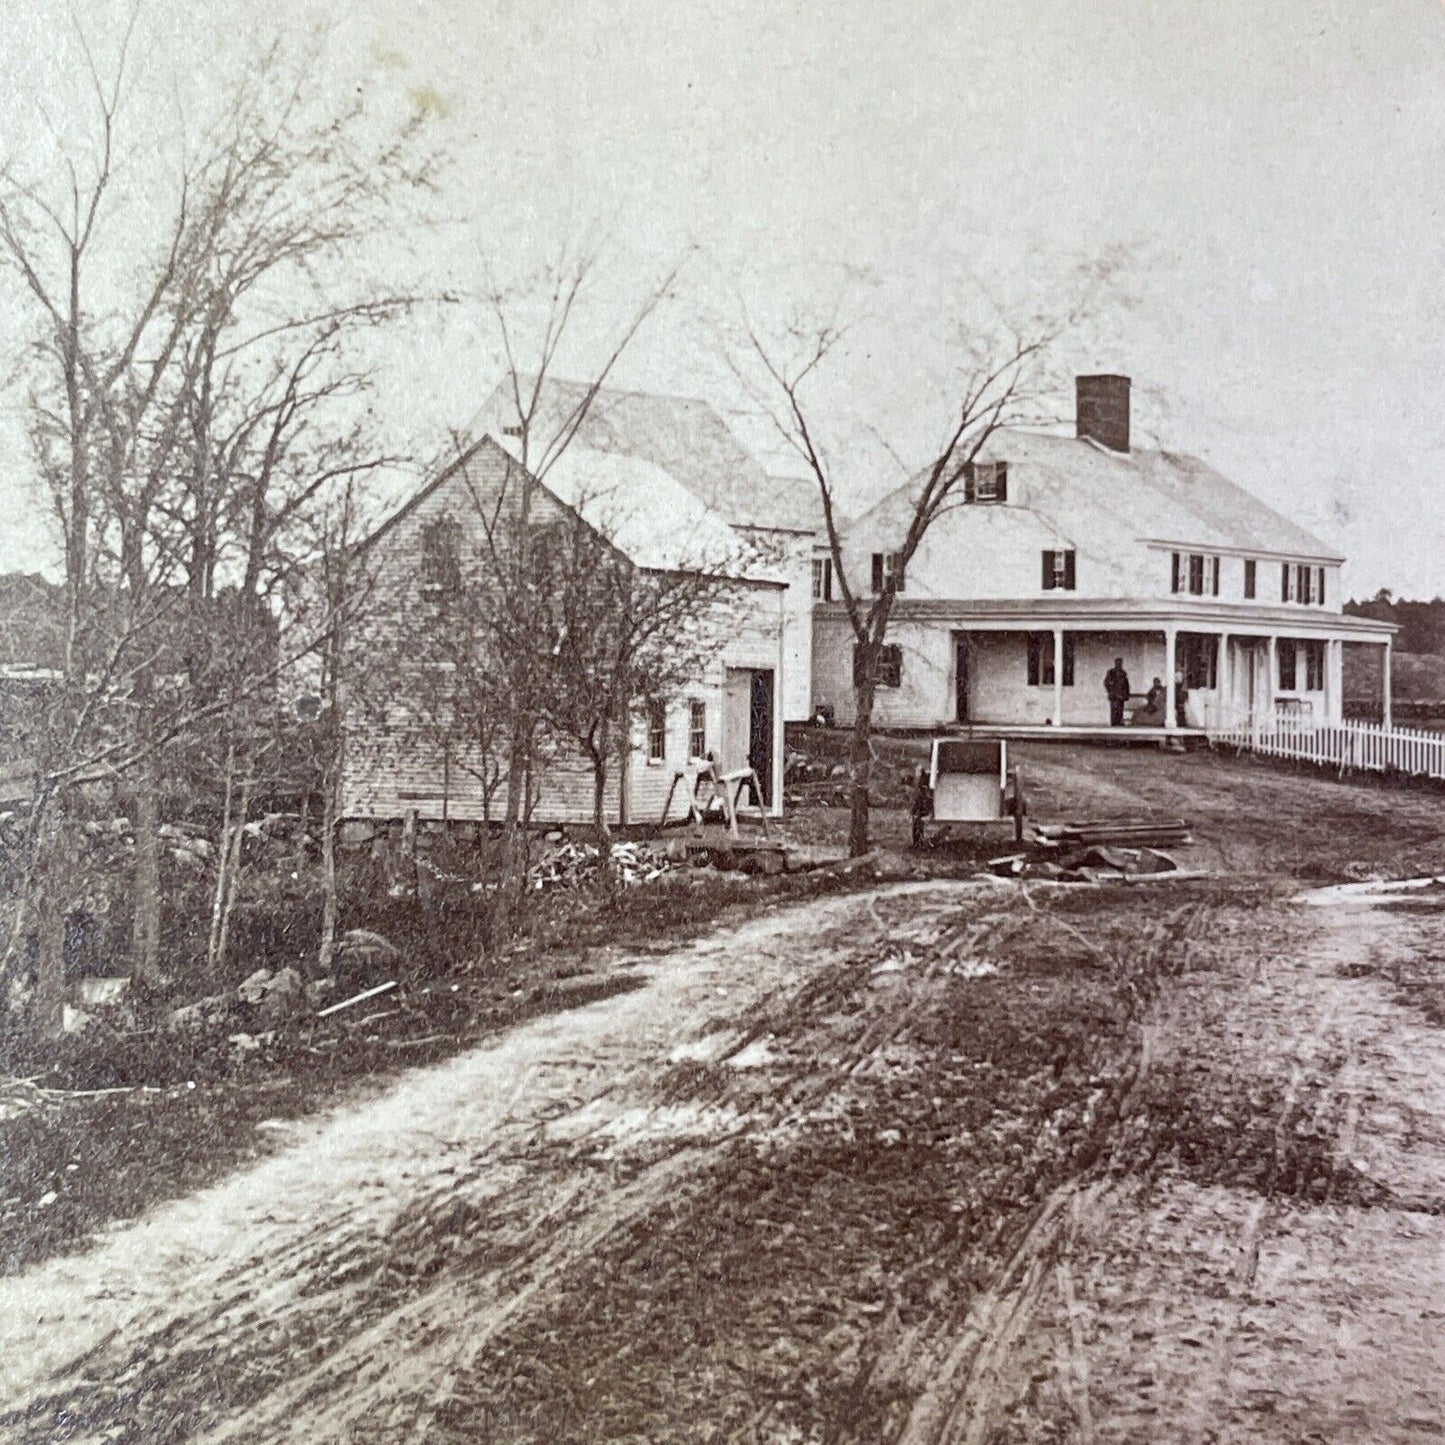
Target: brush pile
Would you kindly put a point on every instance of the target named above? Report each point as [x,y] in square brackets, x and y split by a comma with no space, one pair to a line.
[578,865]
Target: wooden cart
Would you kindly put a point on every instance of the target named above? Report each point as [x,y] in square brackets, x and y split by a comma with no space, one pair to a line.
[968,782]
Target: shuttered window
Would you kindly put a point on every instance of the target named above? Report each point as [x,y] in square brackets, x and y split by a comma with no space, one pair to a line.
[886,566]
[985,482]
[1058,570]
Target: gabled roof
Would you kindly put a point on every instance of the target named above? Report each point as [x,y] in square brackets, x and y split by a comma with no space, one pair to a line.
[640,509]
[683,435]
[648,515]
[1150,496]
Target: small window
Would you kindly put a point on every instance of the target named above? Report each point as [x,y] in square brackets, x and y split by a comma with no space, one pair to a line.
[1287,591]
[1305,583]
[1320,585]
[822,579]
[1196,575]
[887,566]
[514,429]
[656,730]
[697,728]
[1314,667]
[1288,665]
[1041,659]
[1058,570]
[888,671]
[985,482]
[1250,578]
[441,554]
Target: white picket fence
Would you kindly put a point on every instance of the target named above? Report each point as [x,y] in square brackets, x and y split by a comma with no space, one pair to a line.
[1369,747]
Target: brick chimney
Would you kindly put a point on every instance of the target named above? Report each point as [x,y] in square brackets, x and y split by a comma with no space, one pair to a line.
[1101,406]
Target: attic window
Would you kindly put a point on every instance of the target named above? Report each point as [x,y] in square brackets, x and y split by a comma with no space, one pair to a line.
[441,555]
[985,482]
[515,429]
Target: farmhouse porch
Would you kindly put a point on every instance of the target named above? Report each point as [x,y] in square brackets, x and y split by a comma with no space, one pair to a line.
[1031,668]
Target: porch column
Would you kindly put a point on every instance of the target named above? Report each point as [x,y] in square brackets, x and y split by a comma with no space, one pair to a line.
[1171,722]
[1271,677]
[1224,685]
[1335,676]
[1386,691]
[1058,677]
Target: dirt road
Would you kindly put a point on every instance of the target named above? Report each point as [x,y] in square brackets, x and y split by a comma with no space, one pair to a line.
[946,1162]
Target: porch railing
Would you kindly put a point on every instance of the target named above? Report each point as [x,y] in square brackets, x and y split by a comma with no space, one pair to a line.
[1369,747]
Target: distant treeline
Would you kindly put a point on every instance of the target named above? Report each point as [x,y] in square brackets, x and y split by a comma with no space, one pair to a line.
[1421,624]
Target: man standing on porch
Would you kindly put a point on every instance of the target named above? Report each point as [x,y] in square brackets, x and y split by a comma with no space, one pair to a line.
[1116,688]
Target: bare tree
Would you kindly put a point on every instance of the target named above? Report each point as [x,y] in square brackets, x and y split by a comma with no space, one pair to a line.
[183,427]
[628,639]
[511,602]
[1001,382]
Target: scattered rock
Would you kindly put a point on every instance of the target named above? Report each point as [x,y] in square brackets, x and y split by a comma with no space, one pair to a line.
[364,958]
[97,993]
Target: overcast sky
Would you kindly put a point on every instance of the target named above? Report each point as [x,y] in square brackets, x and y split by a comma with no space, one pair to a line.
[1276,172]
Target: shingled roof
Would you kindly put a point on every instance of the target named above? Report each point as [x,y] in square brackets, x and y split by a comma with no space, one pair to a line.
[683,435]
[1094,495]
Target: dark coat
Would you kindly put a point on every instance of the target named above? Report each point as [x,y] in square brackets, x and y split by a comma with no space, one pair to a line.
[1116,684]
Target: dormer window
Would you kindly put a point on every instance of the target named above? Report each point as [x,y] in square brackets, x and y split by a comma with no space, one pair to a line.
[985,482]
[1058,570]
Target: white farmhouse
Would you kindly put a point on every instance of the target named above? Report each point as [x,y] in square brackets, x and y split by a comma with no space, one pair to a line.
[690,441]
[397,761]
[1065,553]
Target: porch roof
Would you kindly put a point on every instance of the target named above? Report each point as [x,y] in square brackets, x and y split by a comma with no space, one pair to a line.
[1128,614]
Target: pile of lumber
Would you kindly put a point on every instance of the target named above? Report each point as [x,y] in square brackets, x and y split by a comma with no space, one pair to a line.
[1128,833]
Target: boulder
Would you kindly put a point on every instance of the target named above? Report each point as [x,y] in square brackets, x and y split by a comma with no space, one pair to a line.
[364,958]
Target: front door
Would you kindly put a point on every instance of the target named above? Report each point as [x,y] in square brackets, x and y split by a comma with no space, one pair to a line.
[960,677]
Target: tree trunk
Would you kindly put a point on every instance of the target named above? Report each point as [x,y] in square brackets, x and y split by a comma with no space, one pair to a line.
[599,819]
[508,893]
[329,808]
[50,902]
[223,862]
[860,768]
[146,927]
[233,873]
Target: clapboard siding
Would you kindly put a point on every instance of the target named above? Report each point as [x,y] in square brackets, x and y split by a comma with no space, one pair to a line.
[394,764]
